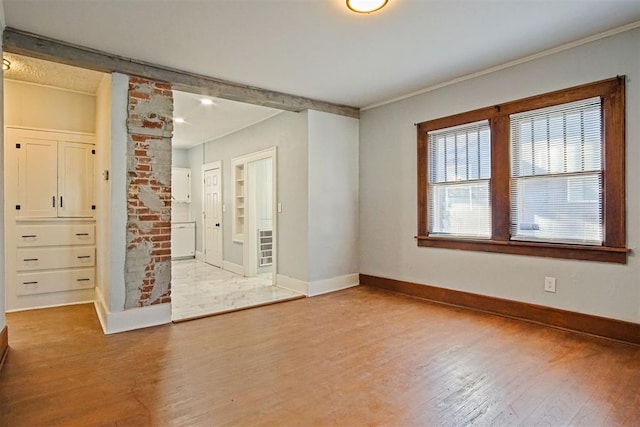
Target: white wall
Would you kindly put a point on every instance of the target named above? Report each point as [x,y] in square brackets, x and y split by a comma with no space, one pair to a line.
[118,224]
[103,189]
[196,160]
[388,208]
[44,107]
[2,266]
[180,158]
[288,132]
[333,196]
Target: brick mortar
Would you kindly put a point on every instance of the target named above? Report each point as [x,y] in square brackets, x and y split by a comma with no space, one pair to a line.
[148,256]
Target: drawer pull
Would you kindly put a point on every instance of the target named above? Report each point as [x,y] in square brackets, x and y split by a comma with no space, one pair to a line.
[82,280]
[29,236]
[84,256]
[30,259]
[82,234]
[29,283]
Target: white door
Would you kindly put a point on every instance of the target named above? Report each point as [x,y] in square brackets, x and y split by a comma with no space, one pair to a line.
[75,178]
[37,177]
[212,217]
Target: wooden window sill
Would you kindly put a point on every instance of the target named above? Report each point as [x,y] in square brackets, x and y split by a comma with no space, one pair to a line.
[550,250]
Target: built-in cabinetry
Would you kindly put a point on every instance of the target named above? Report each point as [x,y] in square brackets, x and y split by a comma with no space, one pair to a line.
[183,240]
[239,190]
[181,185]
[50,233]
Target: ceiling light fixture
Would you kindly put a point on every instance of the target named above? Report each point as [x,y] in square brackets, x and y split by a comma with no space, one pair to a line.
[178,120]
[206,101]
[366,6]
[5,64]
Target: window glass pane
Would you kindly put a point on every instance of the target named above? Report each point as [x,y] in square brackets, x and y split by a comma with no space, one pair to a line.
[459,172]
[556,173]
[564,209]
[460,209]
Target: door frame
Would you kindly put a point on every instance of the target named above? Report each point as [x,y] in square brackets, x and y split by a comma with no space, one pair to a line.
[205,167]
[268,153]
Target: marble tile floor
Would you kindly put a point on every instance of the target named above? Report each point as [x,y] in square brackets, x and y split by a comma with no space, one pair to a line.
[200,289]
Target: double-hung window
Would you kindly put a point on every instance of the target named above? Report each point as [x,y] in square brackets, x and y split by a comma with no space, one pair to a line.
[556,174]
[539,176]
[459,179]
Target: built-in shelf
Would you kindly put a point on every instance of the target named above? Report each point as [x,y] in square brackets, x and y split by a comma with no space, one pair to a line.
[239,193]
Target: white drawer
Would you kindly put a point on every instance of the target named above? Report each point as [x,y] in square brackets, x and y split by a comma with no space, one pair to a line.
[55,258]
[55,281]
[55,235]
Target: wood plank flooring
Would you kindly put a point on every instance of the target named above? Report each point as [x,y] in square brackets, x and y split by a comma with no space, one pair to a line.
[358,357]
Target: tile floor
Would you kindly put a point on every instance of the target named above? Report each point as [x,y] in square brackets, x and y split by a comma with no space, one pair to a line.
[200,289]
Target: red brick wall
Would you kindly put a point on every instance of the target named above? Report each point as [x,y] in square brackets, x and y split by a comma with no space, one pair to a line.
[148,257]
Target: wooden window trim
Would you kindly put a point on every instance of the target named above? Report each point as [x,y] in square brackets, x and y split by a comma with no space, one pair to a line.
[612,93]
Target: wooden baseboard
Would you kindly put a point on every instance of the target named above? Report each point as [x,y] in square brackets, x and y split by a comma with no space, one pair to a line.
[4,345]
[595,325]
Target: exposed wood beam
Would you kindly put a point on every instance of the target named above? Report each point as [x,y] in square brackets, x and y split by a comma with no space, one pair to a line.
[41,47]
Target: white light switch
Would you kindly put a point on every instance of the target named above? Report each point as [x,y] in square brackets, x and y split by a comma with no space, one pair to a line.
[279,207]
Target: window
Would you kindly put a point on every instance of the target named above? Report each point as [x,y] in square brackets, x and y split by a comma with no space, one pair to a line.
[539,176]
[459,175]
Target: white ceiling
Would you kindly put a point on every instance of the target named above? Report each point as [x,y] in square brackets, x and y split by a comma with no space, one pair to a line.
[206,122]
[202,122]
[32,70]
[319,49]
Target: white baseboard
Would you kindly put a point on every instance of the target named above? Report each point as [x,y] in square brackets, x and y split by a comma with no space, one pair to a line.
[292,284]
[200,256]
[40,307]
[128,320]
[232,267]
[101,309]
[325,286]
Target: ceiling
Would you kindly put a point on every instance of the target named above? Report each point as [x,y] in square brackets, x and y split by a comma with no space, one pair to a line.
[201,122]
[31,70]
[206,122]
[318,48]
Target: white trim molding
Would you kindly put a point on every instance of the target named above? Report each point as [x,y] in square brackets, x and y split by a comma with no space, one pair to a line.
[199,256]
[319,287]
[135,318]
[233,267]
[292,284]
[509,64]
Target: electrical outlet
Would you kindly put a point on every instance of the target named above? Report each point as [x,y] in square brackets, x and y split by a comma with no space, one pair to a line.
[550,284]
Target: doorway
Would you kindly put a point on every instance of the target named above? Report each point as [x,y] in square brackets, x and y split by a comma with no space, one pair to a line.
[259,208]
[212,213]
[231,204]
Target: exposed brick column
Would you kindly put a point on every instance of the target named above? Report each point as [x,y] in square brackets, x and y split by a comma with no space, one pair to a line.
[148,258]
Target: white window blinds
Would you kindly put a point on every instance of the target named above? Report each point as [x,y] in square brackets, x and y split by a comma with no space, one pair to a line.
[459,165]
[556,174]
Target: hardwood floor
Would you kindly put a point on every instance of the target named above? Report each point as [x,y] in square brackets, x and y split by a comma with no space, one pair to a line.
[362,356]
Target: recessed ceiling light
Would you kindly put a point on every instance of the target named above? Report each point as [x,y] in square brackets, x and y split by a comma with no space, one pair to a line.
[178,120]
[6,64]
[366,6]
[206,101]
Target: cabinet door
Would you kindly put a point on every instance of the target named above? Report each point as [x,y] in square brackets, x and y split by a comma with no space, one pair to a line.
[75,179]
[181,185]
[37,177]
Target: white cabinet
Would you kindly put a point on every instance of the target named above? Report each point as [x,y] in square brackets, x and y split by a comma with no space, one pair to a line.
[75,179]
[50,226]
[53,258]
[181,185]
[183,240]
[55,177]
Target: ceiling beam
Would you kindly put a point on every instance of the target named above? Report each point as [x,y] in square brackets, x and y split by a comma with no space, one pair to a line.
[41,47]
